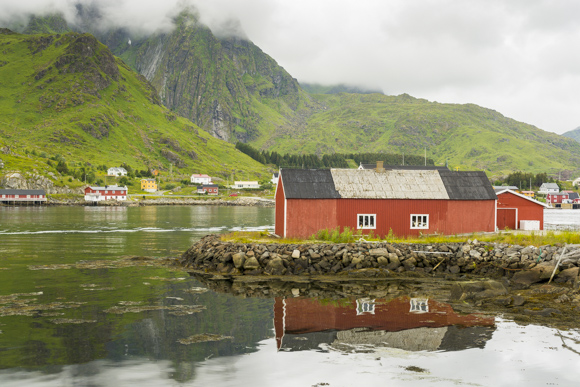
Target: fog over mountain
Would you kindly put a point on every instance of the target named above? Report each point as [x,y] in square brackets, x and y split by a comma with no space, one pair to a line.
[516,57]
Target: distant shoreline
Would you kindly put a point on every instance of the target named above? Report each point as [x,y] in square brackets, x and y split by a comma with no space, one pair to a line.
[241,201]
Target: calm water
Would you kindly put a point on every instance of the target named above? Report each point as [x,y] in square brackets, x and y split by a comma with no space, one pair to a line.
[80,306]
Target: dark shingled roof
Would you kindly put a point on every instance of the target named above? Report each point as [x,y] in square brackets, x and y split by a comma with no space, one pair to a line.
[308,184]
[22,192]
[407,167]
[319,184]
[467,185]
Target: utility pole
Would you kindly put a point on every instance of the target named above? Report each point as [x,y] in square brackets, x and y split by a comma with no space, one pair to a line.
[425,156]
[403,158]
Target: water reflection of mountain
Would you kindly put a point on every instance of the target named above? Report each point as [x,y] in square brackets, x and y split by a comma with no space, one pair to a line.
[411,324]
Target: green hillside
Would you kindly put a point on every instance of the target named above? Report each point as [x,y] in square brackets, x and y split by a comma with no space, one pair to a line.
[468,136]
[573,134]
[67,95]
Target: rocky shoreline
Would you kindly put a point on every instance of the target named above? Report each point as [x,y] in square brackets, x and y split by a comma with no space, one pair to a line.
[499,279]
[522,266]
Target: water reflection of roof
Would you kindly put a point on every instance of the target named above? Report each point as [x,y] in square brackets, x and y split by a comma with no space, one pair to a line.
[303,323]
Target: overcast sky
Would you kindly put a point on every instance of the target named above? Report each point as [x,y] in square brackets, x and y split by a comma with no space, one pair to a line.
[519,57]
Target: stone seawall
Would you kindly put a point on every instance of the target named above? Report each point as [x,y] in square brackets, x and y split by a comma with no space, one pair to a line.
[522,265]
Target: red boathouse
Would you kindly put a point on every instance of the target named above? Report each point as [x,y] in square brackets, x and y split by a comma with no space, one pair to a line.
[516,211]
[406,202]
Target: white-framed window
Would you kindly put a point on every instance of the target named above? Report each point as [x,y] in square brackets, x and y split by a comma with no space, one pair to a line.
[365,306]
[419,305]
[419,221]
[365,221]
[3,196]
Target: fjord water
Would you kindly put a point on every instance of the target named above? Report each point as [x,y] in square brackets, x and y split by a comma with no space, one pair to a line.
[83,304]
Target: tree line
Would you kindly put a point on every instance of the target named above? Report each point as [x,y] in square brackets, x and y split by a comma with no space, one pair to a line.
[335,160]
[522,180]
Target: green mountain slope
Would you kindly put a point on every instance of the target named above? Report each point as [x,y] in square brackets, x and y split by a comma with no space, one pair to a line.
[468,136]
[68,95]
[573,134]
[236,92]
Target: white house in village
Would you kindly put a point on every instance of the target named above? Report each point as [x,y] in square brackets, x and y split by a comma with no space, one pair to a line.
[117,171]
[200,179]
[548,188]
[274,179]
[576,182]
[245,184]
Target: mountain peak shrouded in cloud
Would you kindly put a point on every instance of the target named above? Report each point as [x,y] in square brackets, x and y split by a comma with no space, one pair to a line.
[139,17]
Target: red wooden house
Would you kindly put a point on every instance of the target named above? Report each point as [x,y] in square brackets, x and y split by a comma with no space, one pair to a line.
[298,319]
[14,196]
[210,189]
[108,192]
[514,208]
[406,202]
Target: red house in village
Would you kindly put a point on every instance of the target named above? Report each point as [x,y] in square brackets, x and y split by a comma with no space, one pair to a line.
[108,192]
[408,202]
[210,189]
[13,196]
[516,211]
[306,321]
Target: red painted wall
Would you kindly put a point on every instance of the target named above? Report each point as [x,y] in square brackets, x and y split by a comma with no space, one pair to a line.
[306,216]
[279,226]
[526,209]
[506,217]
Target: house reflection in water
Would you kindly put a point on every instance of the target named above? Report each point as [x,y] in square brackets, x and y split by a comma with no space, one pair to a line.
[414,324]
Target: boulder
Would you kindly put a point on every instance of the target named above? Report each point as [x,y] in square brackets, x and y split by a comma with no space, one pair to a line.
[296,254]
[378,252]
[382,261]
[275,267]
[568,275]
[239,259]
[477,290]
[251,263]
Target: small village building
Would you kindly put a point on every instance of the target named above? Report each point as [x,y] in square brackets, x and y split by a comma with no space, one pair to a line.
[210,189]
[274,179]
[498,188]
[245,184]
[557,198]
[17,196]
[547,188]
[404,202]
[108,192]
[148,185]
[576,182]
[529,194]
[155,172]
[200,179]
[117,171]
[516,211]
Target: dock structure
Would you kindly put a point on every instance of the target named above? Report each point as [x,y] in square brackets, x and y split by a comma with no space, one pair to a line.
[22,196]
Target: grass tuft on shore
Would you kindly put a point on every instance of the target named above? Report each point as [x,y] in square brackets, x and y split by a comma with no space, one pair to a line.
[350,236]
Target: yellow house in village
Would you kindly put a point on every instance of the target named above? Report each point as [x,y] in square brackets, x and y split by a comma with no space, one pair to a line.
[148,185]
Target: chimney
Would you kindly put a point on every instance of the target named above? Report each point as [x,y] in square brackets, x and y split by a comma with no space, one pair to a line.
[380,167]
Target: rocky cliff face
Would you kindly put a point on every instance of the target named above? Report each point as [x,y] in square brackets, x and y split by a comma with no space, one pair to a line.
[219,83]
[17,180]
